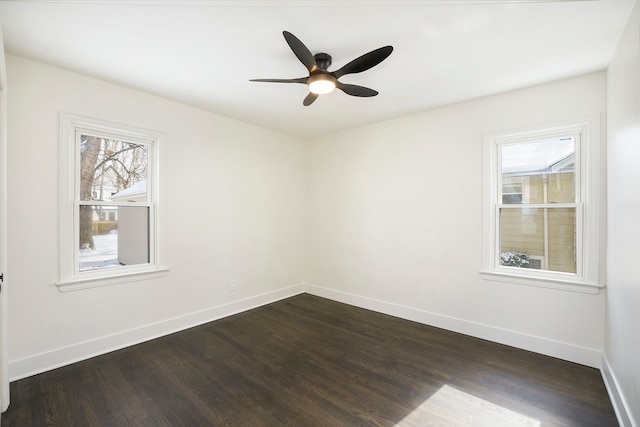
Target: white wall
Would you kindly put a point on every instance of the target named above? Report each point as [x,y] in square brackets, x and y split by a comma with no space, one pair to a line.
[395,220]
[234,210]
[622,344]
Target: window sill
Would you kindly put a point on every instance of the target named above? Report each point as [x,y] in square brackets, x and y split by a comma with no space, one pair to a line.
[543,282]
[114,279]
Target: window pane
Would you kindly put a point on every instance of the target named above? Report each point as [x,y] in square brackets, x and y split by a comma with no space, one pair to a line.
[545,169]
[562,239]
[113,236]
[108,166]
[538,238]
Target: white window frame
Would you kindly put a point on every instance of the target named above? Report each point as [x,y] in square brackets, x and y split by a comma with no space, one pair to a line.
[70,278]
[590,212]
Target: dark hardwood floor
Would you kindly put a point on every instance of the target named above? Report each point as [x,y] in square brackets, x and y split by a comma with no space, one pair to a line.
[308,361]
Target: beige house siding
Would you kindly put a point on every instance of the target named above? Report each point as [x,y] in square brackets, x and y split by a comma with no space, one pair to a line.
[522,229]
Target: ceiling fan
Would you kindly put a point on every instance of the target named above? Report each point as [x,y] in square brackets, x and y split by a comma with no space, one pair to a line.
[320,80]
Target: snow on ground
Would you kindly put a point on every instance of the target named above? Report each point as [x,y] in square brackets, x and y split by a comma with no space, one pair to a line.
[104,255]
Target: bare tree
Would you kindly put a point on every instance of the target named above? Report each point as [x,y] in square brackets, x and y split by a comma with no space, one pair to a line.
[121,165]
[89,151]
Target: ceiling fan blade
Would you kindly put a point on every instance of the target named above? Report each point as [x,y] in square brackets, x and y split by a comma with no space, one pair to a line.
[299,80]
[364,62]
[309,99]
[356,90]
[300,50]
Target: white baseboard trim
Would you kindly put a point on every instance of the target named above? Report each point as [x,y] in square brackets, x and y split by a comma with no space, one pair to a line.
[617,397]
[49,360]
[560,350]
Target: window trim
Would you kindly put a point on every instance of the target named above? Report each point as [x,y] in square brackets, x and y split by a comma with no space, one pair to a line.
[70,278]
[590,217]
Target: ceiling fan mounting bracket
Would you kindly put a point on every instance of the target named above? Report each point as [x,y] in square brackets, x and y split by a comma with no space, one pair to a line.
[323,60]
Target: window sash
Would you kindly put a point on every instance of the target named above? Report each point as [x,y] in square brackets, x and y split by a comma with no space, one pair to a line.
[129,139]
[123,268]
[579,232]
[578,176]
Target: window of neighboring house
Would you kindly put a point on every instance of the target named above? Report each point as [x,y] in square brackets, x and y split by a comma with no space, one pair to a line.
[513,189]
[543,207]
[512,192]
[109,203]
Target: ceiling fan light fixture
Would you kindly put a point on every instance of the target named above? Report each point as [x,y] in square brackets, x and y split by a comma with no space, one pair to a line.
[321,84]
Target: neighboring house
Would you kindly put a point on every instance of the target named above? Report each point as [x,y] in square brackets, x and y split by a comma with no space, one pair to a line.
[133,225]
[136,193]
[105,218]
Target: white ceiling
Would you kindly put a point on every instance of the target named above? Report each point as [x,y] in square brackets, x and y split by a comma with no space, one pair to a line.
[203,52]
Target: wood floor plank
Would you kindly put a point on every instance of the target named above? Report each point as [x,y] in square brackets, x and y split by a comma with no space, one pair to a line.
[309,361]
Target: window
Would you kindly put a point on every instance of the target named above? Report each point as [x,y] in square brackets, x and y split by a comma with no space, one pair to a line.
[512,190]
[542,207]
[109,189]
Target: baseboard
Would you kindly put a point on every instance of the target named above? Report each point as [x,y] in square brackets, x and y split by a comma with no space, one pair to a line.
[617,398]
[43,362]
[560,350]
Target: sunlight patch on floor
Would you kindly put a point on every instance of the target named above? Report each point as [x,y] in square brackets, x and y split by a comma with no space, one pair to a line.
[452,407]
